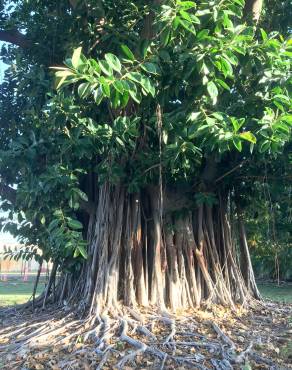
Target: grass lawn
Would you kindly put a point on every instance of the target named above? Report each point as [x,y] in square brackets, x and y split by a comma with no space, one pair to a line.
[15,291]
[281,293]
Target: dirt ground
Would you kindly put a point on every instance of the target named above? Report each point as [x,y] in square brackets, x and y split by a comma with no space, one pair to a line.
[213,338]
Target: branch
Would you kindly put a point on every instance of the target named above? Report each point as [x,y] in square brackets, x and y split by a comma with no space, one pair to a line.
[147,32]
[8,193]
[253,9]
[231,171]
[14,37]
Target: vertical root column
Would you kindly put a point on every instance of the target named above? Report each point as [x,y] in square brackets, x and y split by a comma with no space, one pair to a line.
[128,244]
[173,282]
[99,264]
[137,259]
[114,245]
[127,269]
[157,288]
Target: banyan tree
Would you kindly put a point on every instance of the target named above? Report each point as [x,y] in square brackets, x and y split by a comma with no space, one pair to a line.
[126,128]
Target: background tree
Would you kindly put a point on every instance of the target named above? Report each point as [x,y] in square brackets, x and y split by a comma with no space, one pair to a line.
[130,175]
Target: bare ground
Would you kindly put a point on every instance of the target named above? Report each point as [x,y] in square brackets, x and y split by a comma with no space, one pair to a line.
[213,338]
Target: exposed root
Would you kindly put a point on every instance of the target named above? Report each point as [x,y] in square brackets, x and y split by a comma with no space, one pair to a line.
[105,356]
[141,347]
[163,362]
[107,331]
[240,359]
[114,340]
[223,336]
[170,337]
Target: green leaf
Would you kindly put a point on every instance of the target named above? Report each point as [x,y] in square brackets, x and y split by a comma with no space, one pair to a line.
[81,194]
[265,146]
[248,136]
[223,84]
[120,141]
[124,99]
[237,143]
[232,58]
[106,89]
[194,116]
[149,86]
[113,62]
[128,53]
[135,94]
[53,224]
[264,35]
[203,34]
[144,47]
[236,123]
[186,4]
[64,73]
[76,252]
[187,26]
[118,85]
[95,66]
[76,58]
[82,251]
[287,118]
[135,76]
[60,82]
[116,101]
[185,15]
[105,67]
[75,225]
[150,68]
[84,89]
[165,36]
[226,67]
[98,95]
[213,91]
[175,23]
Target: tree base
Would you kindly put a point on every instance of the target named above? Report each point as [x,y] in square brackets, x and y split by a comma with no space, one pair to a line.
[143,252]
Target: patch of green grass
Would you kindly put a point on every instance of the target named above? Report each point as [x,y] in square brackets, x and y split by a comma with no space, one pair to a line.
[15,291]
[279,293]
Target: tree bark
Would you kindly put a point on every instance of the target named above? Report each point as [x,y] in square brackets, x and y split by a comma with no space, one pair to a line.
[14,37]
[253,9]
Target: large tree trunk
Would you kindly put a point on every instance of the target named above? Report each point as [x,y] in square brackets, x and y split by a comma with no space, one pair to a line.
[180,260]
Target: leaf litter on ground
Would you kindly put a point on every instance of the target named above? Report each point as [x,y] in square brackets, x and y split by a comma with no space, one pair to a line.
[213,338]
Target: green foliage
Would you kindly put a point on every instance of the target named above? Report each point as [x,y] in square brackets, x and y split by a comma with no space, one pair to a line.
[79,107]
